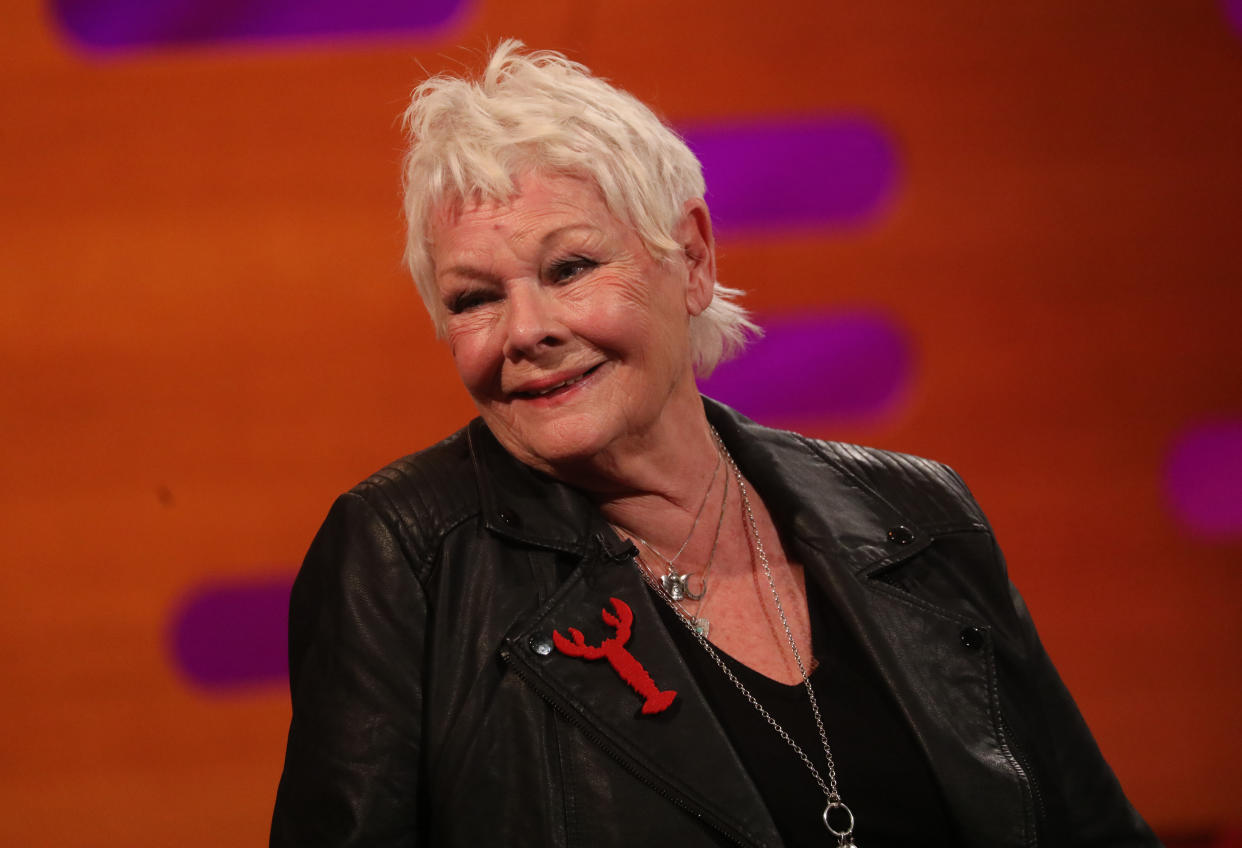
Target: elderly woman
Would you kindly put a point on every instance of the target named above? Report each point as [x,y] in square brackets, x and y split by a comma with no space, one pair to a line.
[611,612]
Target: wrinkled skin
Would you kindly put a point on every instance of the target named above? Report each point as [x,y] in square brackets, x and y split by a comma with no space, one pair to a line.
[551,287]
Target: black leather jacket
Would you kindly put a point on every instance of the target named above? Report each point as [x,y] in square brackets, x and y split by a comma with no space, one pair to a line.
[429,708]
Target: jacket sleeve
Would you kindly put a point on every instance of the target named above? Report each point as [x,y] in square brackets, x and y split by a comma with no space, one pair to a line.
[356,640]
[1082,802]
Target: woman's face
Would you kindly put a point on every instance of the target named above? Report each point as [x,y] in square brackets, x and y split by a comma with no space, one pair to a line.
[569,336]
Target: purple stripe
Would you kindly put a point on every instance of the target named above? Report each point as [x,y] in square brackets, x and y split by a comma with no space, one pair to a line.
[1233,14]
[809,173]
[834,365]
[119,24]
[231,634]
[1203,479]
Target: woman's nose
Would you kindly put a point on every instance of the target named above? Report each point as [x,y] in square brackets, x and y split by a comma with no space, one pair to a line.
[531,321]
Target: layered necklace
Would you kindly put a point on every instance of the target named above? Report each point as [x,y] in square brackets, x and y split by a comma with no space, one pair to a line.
[837,817]
[675,585]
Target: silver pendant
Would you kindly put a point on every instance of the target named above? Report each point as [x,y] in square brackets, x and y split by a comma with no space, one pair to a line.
[842,834]
[675,585]
[702,626]
[696,596]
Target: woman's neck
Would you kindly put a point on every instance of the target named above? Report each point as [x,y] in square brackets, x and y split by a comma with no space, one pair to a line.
[651,483]
[656,489]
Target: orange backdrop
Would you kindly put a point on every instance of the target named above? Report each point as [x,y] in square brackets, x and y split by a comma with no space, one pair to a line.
[206,334]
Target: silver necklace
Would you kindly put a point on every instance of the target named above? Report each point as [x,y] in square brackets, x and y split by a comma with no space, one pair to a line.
[834,808]
[676,590]
[675,583]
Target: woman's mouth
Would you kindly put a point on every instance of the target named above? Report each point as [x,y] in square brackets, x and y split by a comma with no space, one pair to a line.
[558,388]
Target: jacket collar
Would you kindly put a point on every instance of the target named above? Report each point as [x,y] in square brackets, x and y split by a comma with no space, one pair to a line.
[816,499]
[837,513]
[528,506]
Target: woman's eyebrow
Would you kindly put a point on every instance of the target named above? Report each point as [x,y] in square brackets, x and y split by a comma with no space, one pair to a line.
[470,273]
[553,235]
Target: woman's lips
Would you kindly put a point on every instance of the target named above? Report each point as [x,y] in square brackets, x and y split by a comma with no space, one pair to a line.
[557,390]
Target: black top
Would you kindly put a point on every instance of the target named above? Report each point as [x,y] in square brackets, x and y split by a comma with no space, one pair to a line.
[882,773]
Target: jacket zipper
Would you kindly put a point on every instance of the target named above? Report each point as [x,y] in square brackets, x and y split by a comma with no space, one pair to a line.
[1025,770]
[507,655]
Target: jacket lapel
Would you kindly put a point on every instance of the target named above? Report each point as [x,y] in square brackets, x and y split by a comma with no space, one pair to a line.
[681,751]
[847,535]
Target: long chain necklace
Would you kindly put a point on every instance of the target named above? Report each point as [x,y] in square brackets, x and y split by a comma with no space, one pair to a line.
[843,826]
[675,583]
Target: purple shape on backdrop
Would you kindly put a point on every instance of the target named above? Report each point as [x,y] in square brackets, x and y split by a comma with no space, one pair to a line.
[1233,13]
[118,24]
[794,173]
[1203,479]
[232,634]
[835,365]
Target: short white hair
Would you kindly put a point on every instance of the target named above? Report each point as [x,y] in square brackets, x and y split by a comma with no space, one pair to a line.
[472,141]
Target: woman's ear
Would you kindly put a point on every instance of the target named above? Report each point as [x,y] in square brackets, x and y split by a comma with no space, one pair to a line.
[698,246]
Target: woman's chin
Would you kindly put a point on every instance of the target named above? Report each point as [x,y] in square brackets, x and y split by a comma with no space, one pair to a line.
[559,446]
[575,451]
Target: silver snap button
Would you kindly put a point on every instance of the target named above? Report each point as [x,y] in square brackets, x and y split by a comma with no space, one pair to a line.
[541,645]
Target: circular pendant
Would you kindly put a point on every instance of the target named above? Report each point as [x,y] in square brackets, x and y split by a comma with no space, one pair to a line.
[693,595]
[840,823]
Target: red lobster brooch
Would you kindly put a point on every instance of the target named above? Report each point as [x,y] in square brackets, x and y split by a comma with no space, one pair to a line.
[622,661]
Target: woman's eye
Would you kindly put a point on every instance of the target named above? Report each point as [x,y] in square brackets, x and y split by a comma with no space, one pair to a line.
[566,269]
[467,300]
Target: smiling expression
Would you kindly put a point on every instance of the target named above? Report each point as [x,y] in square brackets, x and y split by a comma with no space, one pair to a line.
[570,337]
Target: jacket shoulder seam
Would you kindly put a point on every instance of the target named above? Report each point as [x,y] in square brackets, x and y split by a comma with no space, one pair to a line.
[930,492]
[424,497]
